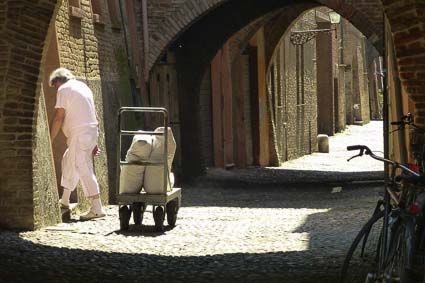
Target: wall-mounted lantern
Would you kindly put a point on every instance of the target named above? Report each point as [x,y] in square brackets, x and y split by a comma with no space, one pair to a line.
[334,17]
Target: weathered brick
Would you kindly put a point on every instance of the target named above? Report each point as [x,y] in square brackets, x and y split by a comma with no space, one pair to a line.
[17,129]
[7,137]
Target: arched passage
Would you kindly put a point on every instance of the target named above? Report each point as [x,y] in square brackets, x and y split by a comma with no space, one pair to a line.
[26,163]
[197,43]
[26,168]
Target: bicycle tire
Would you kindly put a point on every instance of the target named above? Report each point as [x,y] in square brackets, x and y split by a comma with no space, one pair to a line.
[395,268]
[362,259]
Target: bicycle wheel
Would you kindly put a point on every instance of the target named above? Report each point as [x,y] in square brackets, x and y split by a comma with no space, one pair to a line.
[362,258]
[398,256]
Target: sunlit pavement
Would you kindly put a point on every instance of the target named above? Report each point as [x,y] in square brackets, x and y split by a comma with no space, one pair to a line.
[234,233]
[317,168]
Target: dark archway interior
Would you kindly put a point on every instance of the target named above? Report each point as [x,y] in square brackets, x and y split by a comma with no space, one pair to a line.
[196,47]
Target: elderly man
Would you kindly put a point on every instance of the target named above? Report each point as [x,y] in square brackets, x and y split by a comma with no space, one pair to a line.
[75,114]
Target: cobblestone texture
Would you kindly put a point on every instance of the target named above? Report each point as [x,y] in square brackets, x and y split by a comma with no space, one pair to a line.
[263,232]
[280,234]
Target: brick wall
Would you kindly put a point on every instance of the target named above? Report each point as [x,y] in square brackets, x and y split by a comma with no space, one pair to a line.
[21,49]
[407,23]
[354,59]
[85,47]
[296,130]
[363,87]
[21,54]
[45,194]
[28,192]
[96,52]
[206,120]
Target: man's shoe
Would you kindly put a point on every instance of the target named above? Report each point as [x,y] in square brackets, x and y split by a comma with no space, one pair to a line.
[91,215]
[62,205]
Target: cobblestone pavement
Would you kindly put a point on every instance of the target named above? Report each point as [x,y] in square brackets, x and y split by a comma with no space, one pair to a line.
[266,232]
[272,234]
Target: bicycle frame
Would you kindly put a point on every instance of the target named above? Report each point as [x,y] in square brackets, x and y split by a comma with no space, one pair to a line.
[388,248]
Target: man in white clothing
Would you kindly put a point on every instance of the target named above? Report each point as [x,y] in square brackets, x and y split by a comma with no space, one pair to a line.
[75,114]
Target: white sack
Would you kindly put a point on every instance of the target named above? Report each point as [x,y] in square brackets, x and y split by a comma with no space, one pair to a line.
[154,175]
[131,177]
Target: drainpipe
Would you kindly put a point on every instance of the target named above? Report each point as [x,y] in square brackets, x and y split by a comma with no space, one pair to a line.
[132,83]
[341,51]
[125,33]
[145,39]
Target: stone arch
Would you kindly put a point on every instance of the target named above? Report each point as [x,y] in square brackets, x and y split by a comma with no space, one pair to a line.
[367,20]
[22,178]
[408,31]
[25,176]
[194,54]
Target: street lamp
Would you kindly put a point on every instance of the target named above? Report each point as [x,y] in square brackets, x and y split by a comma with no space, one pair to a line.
[334,17]
[303,36]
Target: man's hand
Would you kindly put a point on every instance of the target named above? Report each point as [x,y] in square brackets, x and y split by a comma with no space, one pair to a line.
[57,123]
[96,151]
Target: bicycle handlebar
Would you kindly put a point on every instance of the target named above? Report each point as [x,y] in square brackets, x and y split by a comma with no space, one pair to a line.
[363,149]
[354,147]
[359,147]
[407,120]
[366,150]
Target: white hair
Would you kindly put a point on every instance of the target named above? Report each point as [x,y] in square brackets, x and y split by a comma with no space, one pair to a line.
[61,75]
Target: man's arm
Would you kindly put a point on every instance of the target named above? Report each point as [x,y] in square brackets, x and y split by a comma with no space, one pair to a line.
[57,123]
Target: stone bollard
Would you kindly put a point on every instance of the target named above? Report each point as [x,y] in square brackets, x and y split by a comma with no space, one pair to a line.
[323,143]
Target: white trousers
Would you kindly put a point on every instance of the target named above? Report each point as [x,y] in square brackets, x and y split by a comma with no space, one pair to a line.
[77,161]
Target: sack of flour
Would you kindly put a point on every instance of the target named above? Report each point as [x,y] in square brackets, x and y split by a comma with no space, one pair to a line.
[132,176]
[154,175]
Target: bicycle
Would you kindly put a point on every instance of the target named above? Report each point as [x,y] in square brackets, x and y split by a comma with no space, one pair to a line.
[393,237]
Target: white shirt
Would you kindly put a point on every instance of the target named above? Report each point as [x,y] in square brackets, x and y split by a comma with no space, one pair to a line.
[77,100]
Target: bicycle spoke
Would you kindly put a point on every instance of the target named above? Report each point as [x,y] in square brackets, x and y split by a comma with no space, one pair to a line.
[361,262]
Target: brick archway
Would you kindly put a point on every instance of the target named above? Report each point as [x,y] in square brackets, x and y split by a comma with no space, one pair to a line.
[26,165]
[407,23]
[365,16]
[196,44]
[24,170]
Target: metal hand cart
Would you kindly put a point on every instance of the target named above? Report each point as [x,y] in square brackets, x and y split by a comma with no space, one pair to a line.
[168,202]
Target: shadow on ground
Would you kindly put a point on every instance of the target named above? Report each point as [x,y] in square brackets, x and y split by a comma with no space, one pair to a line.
[19,264]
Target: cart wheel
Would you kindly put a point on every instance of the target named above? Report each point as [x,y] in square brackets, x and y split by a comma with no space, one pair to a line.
[172,209]
[124,214]
[138,208]
[158,217]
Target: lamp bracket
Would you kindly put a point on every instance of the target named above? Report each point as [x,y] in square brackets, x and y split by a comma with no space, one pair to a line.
[304,36]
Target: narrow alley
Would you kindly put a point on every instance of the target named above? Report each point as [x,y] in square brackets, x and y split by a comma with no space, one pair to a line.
[233,98]
[263,232]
